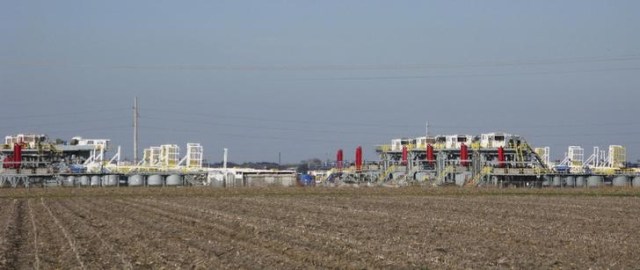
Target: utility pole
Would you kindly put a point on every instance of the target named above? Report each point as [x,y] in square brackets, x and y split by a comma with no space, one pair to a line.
[224,160]
[135,130]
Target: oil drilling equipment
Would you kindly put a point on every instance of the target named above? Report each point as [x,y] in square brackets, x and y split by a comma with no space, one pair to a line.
[34,160]
[489,159]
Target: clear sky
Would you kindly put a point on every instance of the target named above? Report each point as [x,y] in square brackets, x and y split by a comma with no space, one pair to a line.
[305,78]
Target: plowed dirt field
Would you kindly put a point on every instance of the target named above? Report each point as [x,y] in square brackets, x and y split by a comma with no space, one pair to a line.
[352,228]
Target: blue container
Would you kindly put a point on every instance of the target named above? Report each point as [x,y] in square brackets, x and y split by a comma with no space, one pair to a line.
[562,169]
[307,180]
[75,168]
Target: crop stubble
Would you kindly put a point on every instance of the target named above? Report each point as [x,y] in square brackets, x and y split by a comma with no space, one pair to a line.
[296,228]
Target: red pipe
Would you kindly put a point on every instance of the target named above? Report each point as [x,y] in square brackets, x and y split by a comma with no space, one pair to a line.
[404,155]
[17,156]
[7,163]
[339,159]
[359,158]
[464,155]
[430,158]
[500,157]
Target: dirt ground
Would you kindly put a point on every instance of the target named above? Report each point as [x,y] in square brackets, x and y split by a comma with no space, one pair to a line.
[347,228]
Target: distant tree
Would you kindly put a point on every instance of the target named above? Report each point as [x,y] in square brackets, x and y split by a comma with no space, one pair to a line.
[315,162]
[303,167]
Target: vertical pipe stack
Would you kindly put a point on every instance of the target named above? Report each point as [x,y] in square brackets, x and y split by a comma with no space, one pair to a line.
[464,155]
[430,157]
[339,160]
[17,156]
[501,157]
[404,155]
[359,158]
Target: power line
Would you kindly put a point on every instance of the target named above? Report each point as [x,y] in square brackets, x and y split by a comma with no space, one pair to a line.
[263,119]
[412,77]
[52,114]
[101,128]
[271,127]
[339,67]
[245,135]
[62,123]
[432,125]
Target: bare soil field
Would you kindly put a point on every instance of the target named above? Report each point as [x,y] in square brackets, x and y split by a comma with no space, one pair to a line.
[346,228]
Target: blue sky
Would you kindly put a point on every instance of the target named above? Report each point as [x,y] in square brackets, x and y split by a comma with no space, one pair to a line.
[305,78]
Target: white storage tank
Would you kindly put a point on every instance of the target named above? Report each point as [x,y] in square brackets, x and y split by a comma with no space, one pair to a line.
[216,183]
[69,181]
[288,180]
[546,180]
[460,179]
[570,181]
[174,180]
[595,181]
[636,182]
[620,181]
[581,181]
[216,179]
[494,180]
[95,181]
[557,181]
[229,180]
[154,180]
[110,180]
[84,180]
[135,180]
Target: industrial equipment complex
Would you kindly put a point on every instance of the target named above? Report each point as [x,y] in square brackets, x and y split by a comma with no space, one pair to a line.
[491,159]
[32,160]
[500,159]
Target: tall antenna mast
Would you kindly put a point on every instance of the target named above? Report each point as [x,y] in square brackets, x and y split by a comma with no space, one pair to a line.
[135,130]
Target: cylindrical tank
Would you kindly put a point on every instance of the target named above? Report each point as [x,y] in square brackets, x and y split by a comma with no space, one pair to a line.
[557,181]
[581,181]
[238,182]
[460,179]
[430,156]
[69,181]
[135,180]
[359,158]
[620,181]
[95,181]
[570,181]
[405,154]
[50,182]
[154,180]
[84,180]
[230,180]
[595,181]
[419,176]
[494,180]
[464,154]
[636,182]
[339,159]
[500,157]
[546,180]
[174,180]
[217,183]
[110,180]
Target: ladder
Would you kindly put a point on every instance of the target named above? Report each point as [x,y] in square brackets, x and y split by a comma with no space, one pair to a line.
[382,177]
